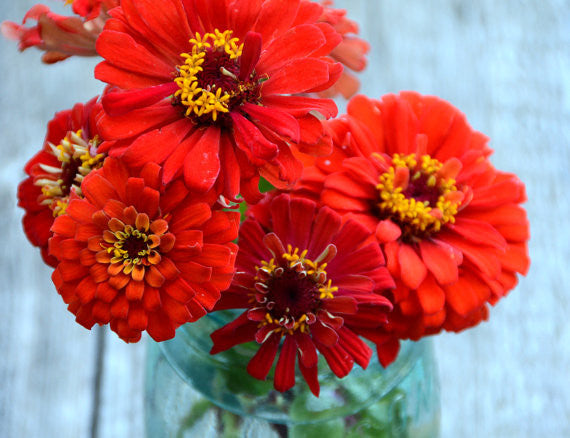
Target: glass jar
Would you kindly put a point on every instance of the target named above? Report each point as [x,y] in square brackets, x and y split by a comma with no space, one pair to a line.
[190,393]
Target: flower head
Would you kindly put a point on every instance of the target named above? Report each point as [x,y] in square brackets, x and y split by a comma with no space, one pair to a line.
[304,278]
[91,9]
[60,36]
[140,256]
[351,52]
[69,154]
[211,83]
[411,170]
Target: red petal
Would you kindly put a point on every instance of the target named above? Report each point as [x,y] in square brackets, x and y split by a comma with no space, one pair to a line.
[324,334]
[85,290]
[478,232]
[98,190]
[307,350]
[250,56]
[134,290]
[250,139]
[275,17]
[153,277]
[431,296]
[276,120]
[202,164]
[340,362]
[298,42]
[239,331]
[261,363]
[311,376]
[440,260]
[285,369]
[297,77]
[117,103]
[121,50]
[388,351]
[461,297]
[160,327]
[138,121]
[387,231]
[156,145]
[355,347]
[190,216]
[299,106]
[412,268]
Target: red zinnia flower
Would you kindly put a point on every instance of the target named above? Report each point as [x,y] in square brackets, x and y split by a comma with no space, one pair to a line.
[60,36]
[412,171]
[305,278]
[351,52]
[140,257]
[69,154]
[91,9]
[206,88]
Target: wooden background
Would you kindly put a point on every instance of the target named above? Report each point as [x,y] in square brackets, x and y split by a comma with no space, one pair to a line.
[506,64]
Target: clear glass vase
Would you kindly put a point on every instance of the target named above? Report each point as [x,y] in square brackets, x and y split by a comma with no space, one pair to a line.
[190,393]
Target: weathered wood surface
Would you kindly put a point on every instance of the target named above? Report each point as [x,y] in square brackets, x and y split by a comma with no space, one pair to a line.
[505,64]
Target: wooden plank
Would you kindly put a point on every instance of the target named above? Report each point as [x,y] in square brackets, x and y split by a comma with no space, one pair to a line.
[47,362]
[505,64]
[121,410]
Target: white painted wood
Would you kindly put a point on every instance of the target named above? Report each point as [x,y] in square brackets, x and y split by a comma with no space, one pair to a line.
[121,405]
[505,64]
[47,361]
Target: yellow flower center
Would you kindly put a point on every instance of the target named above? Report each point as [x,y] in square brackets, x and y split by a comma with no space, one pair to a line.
[77,157]
[208,79]
[130,248]
[291,290]
[414,195]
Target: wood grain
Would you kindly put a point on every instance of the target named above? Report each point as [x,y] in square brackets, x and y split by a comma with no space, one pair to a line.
[505,64]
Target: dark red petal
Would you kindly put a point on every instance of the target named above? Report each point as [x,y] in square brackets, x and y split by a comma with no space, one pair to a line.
[355,347]
[307,350]
[311,376]
[388,351]
[345,304]
[239,331]
[285,369]
[340,362]
[324,334]
[261,363]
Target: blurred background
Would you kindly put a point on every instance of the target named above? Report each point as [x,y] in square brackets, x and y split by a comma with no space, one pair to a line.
[506,65]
